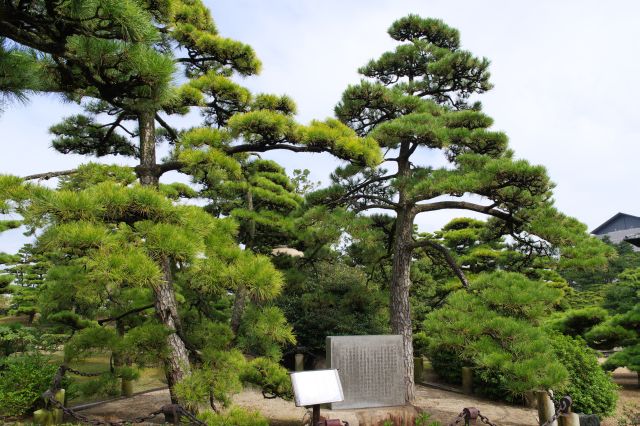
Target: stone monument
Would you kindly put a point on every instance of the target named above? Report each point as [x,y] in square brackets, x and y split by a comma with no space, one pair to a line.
[370,369]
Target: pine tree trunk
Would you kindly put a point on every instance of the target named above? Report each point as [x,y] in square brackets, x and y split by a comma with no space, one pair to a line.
[177,363]
[241,292]
[238,309]
[400,304]
[146,173]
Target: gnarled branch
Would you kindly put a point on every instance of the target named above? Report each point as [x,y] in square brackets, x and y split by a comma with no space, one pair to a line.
[457,270]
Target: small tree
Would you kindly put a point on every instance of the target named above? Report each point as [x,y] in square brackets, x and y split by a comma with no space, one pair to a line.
[622,330]
[496,330]
[27,271]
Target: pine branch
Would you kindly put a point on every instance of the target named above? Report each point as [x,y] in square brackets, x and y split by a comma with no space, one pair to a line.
[172,132]
[49,175]
[447,257]
[133,311]
[464,205]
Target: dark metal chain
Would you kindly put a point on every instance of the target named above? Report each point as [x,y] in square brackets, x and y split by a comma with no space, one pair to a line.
[83,374]
[84,419]
[458,419]
[562,407]
[174,410]
[485,420]
[469,415]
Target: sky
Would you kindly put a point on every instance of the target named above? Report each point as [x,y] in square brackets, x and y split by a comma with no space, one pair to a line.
[564,75]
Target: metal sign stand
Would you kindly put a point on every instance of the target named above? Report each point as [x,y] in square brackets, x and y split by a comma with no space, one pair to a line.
[312,388]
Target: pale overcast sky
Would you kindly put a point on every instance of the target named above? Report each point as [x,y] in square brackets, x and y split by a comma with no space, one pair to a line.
[564,75]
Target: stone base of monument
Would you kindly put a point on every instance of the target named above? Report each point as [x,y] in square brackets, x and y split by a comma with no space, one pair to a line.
[396,416]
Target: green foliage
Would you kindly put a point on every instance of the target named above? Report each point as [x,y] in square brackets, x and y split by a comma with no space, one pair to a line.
[145,344]
[88,341]
[21,73]
[592,390]
[495,330]
[90,174]
[331,300]
[82,135]
[433,51]
[271,377]
[23,379]
[219,376]
[16,338]
[627,327]
[577,322]
[264,331]
[424,419]
[625,258]
[624,294]
[234,417]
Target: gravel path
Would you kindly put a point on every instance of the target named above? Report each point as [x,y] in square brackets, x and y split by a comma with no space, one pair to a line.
[443,406]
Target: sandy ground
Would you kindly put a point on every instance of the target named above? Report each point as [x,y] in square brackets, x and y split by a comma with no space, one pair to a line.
[443,406]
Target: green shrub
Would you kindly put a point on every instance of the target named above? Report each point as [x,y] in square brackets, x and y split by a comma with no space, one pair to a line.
[23,379]
[270,376]
[234,417]
[590,387]
[577,322]
[495,330]
[16,338]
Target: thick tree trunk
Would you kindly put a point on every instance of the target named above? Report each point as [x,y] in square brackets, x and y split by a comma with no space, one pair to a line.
[177,363]
[400,304]
[147,170]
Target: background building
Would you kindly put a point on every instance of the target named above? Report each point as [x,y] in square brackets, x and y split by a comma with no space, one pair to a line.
[621,227]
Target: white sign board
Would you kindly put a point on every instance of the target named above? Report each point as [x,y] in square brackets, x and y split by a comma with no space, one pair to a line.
[316,387]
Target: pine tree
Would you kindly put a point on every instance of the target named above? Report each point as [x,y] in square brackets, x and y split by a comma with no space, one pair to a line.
[26,270]
[420,102]
[262,202]
[121,56]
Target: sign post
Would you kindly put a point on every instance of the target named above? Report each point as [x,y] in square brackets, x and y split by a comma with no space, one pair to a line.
[312,388]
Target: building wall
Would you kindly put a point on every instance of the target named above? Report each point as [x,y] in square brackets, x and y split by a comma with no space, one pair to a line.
[623,223]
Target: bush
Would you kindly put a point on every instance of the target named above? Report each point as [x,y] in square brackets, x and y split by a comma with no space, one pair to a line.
[23,379]
[494,329]
[16,338]
[234,417]
[577,322]
[332,300]
[590,387]
[272,378]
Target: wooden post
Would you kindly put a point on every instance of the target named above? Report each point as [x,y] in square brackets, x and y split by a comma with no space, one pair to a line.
[126,389]
[299,363]
[569,419]
[57,413]
[546,410]
[467,380]
[43,417]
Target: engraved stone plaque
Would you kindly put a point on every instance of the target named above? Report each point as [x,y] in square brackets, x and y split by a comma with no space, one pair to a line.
[370,370]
